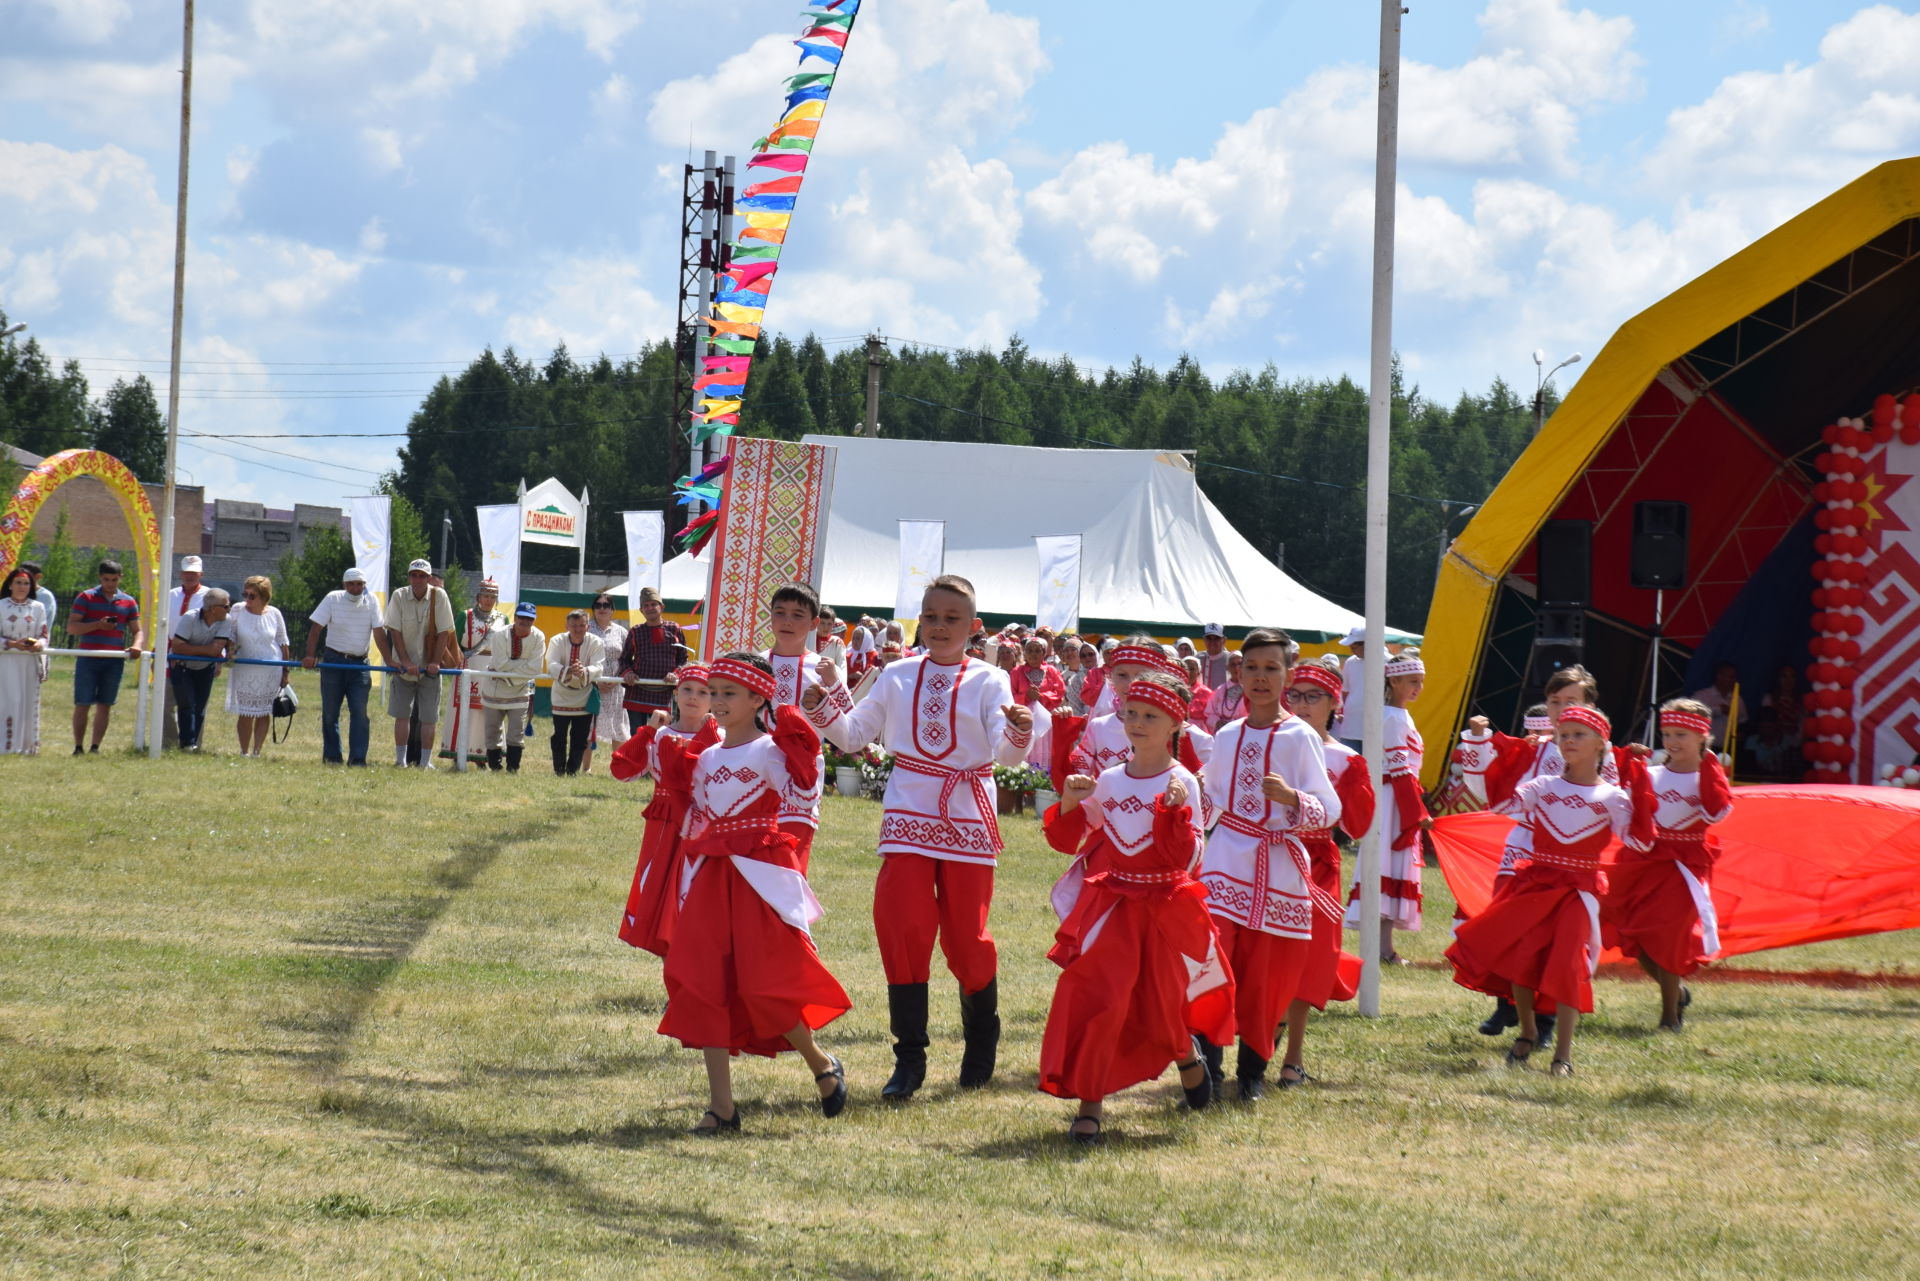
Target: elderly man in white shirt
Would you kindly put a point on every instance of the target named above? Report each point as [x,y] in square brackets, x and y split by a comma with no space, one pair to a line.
[347,619]
[575,659]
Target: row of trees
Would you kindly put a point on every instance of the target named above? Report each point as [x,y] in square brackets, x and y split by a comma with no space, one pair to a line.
[1284,459]
[44,410]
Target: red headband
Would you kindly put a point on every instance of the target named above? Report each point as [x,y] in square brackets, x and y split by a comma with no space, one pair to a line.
[1686,720]
[1160,696]
[1314,674]
[1592,717]
[1151,659]
[744,675]
[693,673]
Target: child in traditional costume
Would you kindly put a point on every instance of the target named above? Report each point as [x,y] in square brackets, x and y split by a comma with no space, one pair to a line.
[1542,934]
[1331,973]
[794,614]
[947,719]
[1139,954]
[1657,909]
[1404,815]
[1494,765]
[648,921]
[742,975]
[1265,783]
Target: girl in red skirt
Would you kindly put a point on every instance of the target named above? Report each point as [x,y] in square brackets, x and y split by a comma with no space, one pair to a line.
[648,921]
[1139,957]
[1331,973]
[1543,934]
[1657,907]
[742,974]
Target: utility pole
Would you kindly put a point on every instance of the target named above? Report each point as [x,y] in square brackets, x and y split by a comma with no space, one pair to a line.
[876,354]
[157,607]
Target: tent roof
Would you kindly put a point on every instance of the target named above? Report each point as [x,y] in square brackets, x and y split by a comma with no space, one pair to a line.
[1711,395]
[1156,552]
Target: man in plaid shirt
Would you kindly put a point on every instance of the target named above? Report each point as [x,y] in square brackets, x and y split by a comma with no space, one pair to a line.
[655,648]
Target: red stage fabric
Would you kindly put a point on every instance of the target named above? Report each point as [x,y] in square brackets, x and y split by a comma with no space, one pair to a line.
[1798,864]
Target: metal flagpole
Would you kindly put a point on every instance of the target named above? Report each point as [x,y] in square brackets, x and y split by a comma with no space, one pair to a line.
[1379,426]
[162,623]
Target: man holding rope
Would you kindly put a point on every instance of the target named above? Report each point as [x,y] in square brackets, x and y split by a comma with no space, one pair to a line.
[347,619]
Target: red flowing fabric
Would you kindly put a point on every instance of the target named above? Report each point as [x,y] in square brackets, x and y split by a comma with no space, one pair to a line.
[648,921]
[1798,864]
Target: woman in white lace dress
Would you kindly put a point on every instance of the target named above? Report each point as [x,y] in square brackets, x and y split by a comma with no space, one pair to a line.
[23,634]
[258,632]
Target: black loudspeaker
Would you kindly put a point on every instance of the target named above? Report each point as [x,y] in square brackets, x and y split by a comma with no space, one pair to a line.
[1660,544]
[1566,569]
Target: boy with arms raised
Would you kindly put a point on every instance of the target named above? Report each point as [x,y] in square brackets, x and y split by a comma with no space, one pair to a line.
[948,719]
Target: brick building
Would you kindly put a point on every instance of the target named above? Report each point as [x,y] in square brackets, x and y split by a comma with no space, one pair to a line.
[94,518]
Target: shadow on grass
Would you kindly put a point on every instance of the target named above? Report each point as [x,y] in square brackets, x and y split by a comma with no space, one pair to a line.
[365,947]
[1053,1144]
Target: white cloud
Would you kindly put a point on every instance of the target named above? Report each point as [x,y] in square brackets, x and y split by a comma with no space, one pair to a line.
[85,21]
[373,236]
[382,147]
[592,304]
[1803,127]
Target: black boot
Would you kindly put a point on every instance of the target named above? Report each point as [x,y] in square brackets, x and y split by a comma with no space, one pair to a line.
[980,1023]
[1503,1017]
[1544,1023]
[1198,1096]
[1215,1074]
[495,757]
[1252,1071]
[907,1015]
[513,759]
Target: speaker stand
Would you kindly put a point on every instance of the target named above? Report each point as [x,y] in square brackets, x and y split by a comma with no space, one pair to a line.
[1653,672]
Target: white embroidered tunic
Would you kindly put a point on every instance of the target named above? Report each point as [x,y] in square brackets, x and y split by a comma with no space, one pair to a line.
[1255,868]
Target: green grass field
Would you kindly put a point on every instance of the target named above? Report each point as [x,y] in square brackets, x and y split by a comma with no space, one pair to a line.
[261,1018]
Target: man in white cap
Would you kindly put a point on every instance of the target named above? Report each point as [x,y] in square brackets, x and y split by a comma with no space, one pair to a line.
[347,620]
[1353,679]
[189,596]
[1213,663]
[418,624]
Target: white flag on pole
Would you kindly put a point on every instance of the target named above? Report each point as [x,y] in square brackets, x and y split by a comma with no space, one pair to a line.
[500,548]
[923,555]
[646,555]
[1059,606]
[372,526]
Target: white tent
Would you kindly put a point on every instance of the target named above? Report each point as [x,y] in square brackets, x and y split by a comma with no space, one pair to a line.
[1155,552]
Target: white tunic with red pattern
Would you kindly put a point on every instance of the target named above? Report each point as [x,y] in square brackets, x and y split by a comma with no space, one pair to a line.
[1255,868]
[792,677]
[946,728]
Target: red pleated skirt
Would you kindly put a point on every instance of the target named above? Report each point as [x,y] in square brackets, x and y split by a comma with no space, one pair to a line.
[1648,911]
[1120,1012]
[648,920]
[1266,972]
[1330,974]
[1537,935]
[738,975]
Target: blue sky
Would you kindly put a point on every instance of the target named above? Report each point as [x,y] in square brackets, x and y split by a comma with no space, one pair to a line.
[381,190]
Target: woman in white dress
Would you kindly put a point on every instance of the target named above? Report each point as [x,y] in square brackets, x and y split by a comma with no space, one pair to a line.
[23,634]
[258,632]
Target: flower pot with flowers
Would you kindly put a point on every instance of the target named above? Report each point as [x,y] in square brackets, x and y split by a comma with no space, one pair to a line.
[1016,785]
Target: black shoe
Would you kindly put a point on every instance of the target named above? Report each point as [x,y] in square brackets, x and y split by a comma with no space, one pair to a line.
[1503,1017]
[907,1017]
[513,759]
[1544,1023]
[79,750]
[496,759]
[94,750]
[729,1125]
[980,1025]
[1088,1138]
[1252,1072]
[835,1103]
[1686,996]
[1211,1053]
[1300,1076]
[1198,1096]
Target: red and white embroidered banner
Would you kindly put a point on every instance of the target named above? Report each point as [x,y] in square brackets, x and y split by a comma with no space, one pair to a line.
[772,531]
[1865,706]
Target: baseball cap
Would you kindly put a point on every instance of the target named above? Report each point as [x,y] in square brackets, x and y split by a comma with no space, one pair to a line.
[354,576]
[190,565]
[526,609]
[422,566]
[1355,636]
[1213,629]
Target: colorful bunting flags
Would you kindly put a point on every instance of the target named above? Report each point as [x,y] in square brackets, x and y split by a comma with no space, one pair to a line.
[764,210]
